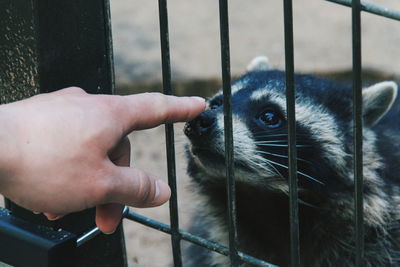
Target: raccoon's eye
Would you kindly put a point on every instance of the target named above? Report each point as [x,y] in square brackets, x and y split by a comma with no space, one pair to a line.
[271,119]
[216,103]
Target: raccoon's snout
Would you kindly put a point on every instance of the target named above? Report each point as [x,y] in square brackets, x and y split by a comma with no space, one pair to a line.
[201,126]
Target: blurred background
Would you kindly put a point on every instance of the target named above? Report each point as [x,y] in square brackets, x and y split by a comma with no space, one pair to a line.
[322,39]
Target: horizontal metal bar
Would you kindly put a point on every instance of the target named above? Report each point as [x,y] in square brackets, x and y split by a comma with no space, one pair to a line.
[373,9]
[88,236]
[195,239]
[92,233]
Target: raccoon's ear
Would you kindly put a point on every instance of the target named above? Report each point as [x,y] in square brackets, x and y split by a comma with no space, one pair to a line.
[377,100]
[259,63]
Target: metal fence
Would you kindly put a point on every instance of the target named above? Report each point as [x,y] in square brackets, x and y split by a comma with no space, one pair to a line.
[236,256]
[177,234]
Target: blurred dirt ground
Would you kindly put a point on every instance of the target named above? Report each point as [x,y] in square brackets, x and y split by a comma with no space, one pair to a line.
[322,37]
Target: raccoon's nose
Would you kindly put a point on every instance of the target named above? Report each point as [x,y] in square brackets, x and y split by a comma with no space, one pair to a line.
[201,125]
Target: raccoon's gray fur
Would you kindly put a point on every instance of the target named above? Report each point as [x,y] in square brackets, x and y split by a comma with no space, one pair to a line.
[325,171]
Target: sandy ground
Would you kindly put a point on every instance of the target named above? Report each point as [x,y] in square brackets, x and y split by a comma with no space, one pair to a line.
[322,43]
[322,37]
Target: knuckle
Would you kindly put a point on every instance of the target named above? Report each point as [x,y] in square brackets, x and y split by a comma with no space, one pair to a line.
[109,104]
[162,107]
[75,89]
[143,192]
[187,115]
[104,189]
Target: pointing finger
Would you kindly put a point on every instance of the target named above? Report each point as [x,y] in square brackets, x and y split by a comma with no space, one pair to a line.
[148,110]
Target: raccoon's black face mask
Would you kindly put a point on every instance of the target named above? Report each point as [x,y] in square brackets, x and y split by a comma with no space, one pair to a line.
[323,131]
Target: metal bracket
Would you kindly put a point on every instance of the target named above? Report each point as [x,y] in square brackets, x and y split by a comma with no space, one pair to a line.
[27,244]
[95,231]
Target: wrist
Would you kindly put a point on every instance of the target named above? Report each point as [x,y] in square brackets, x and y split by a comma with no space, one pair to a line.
[8,147]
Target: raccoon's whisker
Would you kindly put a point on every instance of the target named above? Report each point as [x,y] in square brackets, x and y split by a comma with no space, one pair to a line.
[270,141]
[274,135]
[310,177]
[282,156]
[267,135]
[259,165]
[180,141]
[277,141]
[298,172]
[276,170]
[307,204]
[282,145]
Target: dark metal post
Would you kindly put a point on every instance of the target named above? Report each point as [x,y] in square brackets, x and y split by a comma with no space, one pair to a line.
[18,51]
[169,135]
[291,117]
[68,43]
[357,116]
[229,161]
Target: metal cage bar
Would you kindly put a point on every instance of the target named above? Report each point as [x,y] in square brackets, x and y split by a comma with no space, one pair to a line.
[291,117]
[357,131]
[232,251]
[371,8]
[169,135]
[235,255]
[228,131]
[195,239]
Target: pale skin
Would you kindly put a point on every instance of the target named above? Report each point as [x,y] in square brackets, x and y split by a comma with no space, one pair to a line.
[67,151]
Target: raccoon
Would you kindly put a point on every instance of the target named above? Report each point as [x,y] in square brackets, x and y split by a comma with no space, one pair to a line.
[325,171]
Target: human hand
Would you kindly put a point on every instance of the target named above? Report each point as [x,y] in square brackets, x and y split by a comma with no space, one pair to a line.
[67,151]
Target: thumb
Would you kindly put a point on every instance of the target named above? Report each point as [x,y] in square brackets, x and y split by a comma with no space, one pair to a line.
[134,187]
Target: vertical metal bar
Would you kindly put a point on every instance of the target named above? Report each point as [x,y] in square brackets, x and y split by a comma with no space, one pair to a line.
[85,26]
[169,135]
[291,117]
[18,75]
[61,36]
[226,84]
[357,113]
[109,43]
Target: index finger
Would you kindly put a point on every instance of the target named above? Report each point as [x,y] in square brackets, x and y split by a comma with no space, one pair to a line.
[147,110]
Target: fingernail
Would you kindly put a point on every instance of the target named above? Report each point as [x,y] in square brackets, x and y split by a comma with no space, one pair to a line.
[158,190]
[54,218]
[36,212]
[110,233]
[163,192]
[198,98]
